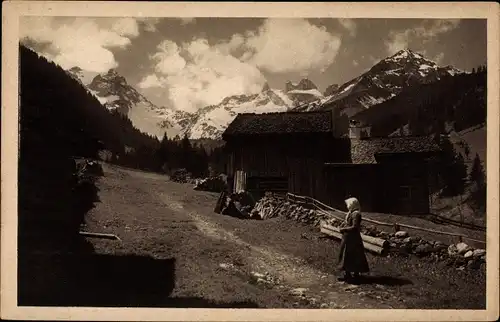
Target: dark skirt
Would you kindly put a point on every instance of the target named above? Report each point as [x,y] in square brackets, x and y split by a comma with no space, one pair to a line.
[353,253]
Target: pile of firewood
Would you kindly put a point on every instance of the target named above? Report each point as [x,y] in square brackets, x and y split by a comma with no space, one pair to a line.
[267,207]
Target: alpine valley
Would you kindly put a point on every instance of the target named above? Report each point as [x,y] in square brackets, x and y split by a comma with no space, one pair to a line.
[385,80]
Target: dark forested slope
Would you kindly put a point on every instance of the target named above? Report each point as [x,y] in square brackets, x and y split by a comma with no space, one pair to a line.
[458,101]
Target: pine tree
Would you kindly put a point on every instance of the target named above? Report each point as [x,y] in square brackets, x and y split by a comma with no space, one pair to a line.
[476,174]
[466,150]
[478,178]
[461,173]
[452,169]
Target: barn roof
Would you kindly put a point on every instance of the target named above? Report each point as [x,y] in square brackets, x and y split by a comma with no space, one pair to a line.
[280,123]
[363,151]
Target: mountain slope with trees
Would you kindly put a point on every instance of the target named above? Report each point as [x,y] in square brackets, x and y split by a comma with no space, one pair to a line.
[60,121]
[454,102]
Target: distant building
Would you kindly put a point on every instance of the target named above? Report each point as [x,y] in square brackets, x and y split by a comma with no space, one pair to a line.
[316,154]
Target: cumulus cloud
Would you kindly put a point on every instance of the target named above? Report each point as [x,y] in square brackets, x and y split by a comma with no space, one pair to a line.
[197,73]
[206,76]
[291,45]
[229,47]
[168,58]
[149,24]
[423,33]
[439,58]
[126,27]
[349,25]
[151,81]
[398,41]
[83,42]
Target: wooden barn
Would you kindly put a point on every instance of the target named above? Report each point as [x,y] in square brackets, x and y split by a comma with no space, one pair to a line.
[312,154]
[270,151]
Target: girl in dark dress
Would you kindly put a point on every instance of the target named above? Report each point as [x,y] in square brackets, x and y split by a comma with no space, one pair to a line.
[352,259]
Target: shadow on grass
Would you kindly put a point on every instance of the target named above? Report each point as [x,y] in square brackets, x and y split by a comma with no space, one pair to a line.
[384,280]
[103,281]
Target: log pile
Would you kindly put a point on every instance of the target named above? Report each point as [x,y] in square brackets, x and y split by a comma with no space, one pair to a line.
[371,244]
[267,207]
[212,184]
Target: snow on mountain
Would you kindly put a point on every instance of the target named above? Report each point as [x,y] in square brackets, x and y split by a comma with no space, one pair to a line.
[211,121]
[113,91]
[313,92]
[303,92]
[383,81]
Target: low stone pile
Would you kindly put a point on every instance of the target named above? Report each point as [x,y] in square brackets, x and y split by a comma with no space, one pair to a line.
[401,243]
[212,184]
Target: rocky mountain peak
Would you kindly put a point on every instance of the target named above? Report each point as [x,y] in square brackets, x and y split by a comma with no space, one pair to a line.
[303,85]
[331,89]
[383,81]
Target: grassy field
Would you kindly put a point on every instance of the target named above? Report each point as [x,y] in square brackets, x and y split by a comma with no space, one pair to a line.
[176,252]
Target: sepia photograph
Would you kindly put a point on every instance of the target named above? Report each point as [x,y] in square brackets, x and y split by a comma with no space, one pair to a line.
[260,162]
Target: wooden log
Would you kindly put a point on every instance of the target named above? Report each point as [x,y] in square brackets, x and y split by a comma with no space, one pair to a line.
[369,239]
[369,247]
[99,235]
[276,209]
[375,241]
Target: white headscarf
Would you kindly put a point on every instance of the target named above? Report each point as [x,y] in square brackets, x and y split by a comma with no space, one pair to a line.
[352,204]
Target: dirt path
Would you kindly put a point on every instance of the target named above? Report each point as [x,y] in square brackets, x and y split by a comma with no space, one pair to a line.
[226,261]
[154,208]
[313,286]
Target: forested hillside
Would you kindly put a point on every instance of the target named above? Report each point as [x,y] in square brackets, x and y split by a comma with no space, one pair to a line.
[454,102]
[61,120]
[62,106]
[71,111]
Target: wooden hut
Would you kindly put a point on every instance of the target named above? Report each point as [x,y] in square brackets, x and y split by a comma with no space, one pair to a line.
[282,152]
[309,153]
[386,174]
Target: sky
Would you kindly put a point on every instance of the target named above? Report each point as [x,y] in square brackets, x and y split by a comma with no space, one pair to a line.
[189,63]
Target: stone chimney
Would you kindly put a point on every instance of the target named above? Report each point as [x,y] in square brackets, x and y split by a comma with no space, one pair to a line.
[358,130]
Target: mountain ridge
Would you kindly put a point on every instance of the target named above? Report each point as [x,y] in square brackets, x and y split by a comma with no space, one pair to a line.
[383,81]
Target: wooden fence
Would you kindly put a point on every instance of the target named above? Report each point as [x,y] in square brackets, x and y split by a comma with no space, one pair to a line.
[325,209]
